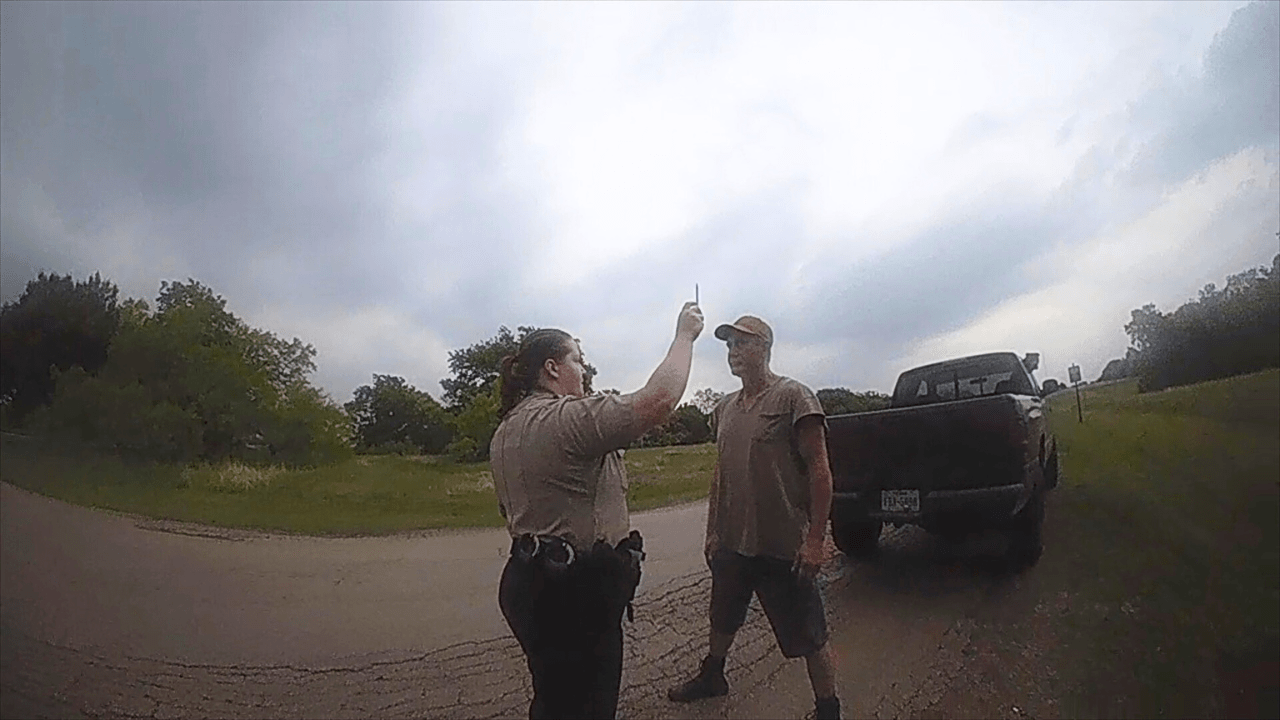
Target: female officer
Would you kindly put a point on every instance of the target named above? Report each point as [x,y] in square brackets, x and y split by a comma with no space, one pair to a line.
[557,468]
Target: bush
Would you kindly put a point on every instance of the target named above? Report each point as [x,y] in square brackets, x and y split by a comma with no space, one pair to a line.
[688,425]
[465,449]
[474,427]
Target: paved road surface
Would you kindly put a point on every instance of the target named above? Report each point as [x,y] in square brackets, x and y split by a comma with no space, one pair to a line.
[104,615]
[80,576]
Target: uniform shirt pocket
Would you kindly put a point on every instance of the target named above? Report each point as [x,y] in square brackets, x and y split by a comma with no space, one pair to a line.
[773,427]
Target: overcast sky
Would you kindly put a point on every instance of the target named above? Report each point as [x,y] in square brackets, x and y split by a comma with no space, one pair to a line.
[887,184]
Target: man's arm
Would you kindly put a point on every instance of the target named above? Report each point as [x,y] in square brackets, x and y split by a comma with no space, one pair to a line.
[812,441]
[713,538]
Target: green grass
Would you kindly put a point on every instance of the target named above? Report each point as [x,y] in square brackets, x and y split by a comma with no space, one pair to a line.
[1168,539]
[367,495]
[670,475]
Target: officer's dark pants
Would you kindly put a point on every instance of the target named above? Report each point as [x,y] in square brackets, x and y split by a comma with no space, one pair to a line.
[569,624]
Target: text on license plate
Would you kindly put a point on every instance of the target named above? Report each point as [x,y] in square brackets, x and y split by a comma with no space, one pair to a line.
[900,500]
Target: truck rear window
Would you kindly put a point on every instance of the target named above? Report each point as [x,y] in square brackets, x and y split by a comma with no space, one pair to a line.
[944,383]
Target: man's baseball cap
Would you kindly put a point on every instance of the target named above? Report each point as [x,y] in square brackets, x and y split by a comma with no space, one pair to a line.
[749,324]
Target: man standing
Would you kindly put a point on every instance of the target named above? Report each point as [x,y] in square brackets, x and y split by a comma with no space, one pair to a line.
[767,516]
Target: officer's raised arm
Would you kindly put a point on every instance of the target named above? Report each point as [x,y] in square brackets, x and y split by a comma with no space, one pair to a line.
[655,402]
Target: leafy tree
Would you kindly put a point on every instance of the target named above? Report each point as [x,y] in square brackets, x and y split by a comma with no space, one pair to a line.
[1221,333]
[1145,328]
[1115,370]
[706,399]
[307,429]
[56,324]
[475,368]
[472,392]
[191,381]
[687,425]
[841,401]
[393,413]
[474,427]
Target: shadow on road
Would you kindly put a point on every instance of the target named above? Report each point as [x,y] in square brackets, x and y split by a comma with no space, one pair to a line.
[911,562]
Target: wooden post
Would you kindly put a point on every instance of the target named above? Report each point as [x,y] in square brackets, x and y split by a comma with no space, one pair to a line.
[1074,373]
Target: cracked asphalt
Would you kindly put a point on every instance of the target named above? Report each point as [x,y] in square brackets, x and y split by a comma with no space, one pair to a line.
[104,615]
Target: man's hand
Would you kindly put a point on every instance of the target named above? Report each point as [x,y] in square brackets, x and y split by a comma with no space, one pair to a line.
[809,558]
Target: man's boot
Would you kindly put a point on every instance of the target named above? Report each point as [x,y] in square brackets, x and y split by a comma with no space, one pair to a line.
[827,708]
[709,682]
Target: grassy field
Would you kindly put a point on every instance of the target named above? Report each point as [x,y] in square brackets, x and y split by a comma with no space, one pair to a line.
[1165,548]
[367,495]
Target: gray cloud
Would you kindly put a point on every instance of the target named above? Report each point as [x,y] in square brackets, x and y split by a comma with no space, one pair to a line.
[1233,104]
[321,157]
[264,142]
[965,264]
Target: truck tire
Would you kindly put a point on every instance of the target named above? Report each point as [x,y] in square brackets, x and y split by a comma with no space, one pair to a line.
[1051,469]
[1026,542]
[857,539]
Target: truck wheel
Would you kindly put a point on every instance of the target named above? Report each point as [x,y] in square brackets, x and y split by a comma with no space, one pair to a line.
[856,538]
[1051,469]
[1025,538]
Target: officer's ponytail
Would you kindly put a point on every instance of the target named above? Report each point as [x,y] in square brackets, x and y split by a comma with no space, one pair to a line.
[518,374]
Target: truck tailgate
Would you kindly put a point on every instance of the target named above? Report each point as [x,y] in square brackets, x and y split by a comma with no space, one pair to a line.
[948,446]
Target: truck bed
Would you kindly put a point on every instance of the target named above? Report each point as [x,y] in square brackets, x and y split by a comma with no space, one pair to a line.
[974,443]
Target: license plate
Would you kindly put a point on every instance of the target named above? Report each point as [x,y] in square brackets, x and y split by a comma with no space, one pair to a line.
[900,500]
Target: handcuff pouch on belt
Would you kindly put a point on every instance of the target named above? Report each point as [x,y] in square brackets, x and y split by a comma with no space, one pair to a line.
[554,553]
[557,555]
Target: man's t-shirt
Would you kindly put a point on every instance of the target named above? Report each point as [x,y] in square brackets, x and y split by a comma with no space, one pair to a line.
[558,470]
[761,501]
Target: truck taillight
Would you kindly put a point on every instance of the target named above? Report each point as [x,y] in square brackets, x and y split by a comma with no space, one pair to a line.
[1018,430]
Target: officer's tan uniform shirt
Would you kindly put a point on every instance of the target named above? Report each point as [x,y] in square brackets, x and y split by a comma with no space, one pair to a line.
[557,467]
[761,501]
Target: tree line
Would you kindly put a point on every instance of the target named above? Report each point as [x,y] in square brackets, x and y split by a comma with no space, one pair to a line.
[189,381]
[1225,331]
[186,380]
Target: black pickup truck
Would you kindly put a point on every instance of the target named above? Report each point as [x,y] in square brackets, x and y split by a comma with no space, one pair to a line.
[964,447]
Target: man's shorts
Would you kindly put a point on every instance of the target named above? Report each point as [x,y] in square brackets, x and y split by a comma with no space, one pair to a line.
[791,602]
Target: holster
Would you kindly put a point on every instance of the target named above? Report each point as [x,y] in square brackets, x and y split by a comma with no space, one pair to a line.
[631,548]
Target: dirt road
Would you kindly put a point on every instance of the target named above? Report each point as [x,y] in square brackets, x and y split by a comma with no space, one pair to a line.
[104,615]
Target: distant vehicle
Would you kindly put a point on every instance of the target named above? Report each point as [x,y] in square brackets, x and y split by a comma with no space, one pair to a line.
[964,447]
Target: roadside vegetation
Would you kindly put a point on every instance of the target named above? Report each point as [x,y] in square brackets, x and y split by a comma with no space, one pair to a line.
[362,495]
[1162,574]
[1221,333]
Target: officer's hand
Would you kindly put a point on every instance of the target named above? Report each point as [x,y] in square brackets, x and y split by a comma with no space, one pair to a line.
[690,323]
